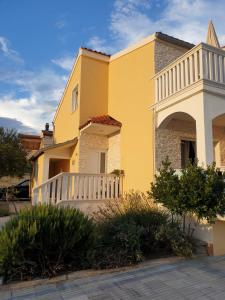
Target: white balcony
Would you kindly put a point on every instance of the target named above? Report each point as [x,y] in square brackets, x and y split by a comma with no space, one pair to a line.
[202,64]
[75,186]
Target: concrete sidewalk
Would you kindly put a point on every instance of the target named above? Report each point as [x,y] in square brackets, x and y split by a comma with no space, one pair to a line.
[158,279]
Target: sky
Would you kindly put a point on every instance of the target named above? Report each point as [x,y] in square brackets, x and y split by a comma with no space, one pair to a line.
[39,40]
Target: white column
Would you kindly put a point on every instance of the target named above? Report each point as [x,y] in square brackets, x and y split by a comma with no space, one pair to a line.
[204,137]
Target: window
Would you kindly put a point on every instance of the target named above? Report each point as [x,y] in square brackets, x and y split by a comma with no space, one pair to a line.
[75,99]
[35,169]
[102,162]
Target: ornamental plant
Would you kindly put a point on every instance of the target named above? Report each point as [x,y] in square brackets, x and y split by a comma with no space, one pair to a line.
[196,191]
[45,241]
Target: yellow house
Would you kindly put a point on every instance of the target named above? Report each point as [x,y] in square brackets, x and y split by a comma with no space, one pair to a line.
[121,115]
[103,121]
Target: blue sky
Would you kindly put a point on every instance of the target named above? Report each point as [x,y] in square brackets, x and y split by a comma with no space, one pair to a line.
[40,38]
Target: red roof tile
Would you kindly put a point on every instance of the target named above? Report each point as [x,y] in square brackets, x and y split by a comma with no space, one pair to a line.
[105,120]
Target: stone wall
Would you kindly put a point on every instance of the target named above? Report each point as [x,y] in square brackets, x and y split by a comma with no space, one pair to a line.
[166,53]
[89,142]
[168,145]
[168,141]
[114,153]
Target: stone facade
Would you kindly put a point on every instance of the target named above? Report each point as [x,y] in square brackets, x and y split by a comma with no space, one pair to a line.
[166,53]
[114,153]
[111,145]
[168,142]
[89,142]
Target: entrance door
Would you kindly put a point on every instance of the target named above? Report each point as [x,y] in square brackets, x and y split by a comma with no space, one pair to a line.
[96,162]
[188,152]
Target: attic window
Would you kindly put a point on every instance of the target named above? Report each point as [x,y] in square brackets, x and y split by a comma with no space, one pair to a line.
[75,99]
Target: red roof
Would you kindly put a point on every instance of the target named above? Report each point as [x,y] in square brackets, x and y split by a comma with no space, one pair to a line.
[105,120]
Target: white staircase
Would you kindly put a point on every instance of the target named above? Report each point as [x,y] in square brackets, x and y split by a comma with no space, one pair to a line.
[77,186]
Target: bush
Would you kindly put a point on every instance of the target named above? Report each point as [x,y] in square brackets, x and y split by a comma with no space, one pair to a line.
[132,229]
[197,191]
[45,241]
[175,240]
[117,244]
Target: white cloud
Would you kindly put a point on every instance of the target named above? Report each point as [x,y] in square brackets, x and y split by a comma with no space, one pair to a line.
[65,63]
[8,52]
[29,114]
[131,20]
[43,90]
[40,89]
[99,45]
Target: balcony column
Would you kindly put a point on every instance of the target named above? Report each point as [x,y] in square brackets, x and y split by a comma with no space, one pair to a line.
[204,138]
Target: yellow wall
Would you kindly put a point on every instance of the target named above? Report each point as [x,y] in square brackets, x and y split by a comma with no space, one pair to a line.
[91,75]
[94,88]
[40,162]
[67,122]
[131,91]
[219,238]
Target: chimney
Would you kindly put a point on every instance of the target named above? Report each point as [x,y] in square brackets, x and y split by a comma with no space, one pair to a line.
[46,126]
[46,136]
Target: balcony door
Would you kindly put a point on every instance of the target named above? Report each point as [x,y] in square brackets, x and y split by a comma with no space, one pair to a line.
[96,162]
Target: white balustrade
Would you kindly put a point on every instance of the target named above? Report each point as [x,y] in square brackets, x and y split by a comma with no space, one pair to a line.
[203,62]
[77,186]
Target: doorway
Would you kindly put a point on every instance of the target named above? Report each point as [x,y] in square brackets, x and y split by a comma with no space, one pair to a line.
[57,166]
[96,162]
[188,152]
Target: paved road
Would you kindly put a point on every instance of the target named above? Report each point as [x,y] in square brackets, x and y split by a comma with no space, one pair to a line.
[196,279]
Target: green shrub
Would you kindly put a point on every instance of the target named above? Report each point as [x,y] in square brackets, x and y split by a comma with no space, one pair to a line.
[117,244]
[45,241]
[197,191]
[175,240]
[132,229]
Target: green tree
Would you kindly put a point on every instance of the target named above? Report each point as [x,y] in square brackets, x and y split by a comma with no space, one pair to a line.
[166,187]
[197,191]
[12,155]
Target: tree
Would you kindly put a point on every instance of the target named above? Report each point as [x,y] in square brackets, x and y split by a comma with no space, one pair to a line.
[12,155]
[197,191]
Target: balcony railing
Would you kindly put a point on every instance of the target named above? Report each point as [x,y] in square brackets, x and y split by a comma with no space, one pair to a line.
[76,186]
[201,62]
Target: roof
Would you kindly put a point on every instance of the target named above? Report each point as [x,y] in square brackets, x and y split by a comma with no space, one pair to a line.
[212,38]
[30,142]
[159,35]
[29,136]
[37,153]
[104,120]
[173,40]
[95,51]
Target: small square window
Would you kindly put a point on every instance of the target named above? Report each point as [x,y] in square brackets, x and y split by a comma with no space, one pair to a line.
[75,99]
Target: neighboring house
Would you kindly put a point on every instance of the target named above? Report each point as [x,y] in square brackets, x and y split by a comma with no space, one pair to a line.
[30,143]
[161,97]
